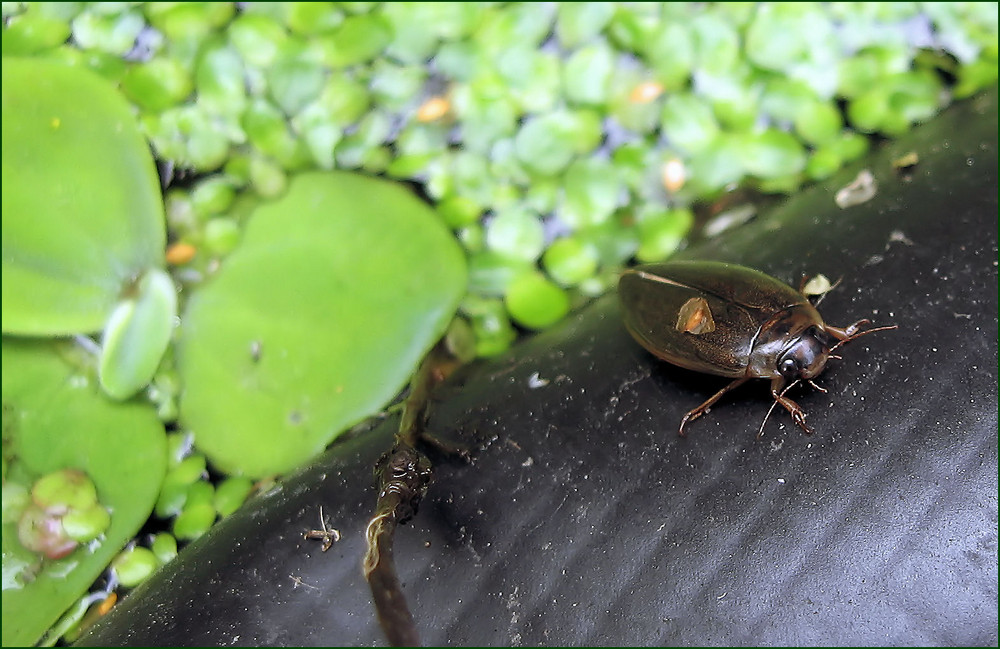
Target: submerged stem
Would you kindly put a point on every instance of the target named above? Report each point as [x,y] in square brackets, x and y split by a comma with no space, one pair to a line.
[403,474]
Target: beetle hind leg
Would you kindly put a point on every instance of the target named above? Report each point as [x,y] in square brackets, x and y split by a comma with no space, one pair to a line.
[700,410]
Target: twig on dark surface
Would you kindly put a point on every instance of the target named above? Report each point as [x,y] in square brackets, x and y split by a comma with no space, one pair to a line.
[403,475]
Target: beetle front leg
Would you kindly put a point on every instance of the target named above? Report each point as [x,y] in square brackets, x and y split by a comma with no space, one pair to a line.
[796,411]
[700,410]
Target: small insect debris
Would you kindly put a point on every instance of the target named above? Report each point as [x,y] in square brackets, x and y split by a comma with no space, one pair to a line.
[326,534]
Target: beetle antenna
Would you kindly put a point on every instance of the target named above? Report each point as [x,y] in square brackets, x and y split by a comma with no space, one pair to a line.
[760,432]
[863,333]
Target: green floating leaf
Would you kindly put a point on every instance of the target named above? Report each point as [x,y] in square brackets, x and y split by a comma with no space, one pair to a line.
[661,233]
[490,324]
[782,98]
[313,17]
[587,74]
[547,144]
[316,321]
[670,52]
[577,22]
[257,37]
[772,154]
[56,418]
[517,233]
[358,39]
[134,565]
[632,26]
[525,23]
[688,122]
[717,43]
[818,122]
[775,39]
[157,84]
[219,80]
[535,302]
[490,273]
[294,81]
[113,33]
[532,78]
[734,97]
[33,32]
[718,165]
[570,260]
[593,189]
[82,213]
[137,334]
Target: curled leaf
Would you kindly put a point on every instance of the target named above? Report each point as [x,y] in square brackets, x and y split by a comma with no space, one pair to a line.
[137,334]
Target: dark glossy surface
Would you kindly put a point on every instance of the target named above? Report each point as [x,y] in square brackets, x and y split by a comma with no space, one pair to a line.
[584,519]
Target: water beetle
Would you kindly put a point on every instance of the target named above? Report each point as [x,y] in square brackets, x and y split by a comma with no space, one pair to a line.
[731,321]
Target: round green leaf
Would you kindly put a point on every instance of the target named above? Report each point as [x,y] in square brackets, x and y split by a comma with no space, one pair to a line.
[316,321]
[587,74]
[775,39]
[670,52]
[593,189]
[535,302]
[114,33]
[718,165]
[490,272]
[490,323]
[157,84]
[219,80]
[164,547]
[82,213]
[56,418]
[358,39]
[543,145]
[717,43]
[134,565]
[823,162]
[818,122]
[688,122]
[660,234]
[783,98]
[230,494]
[194,520]
[517,233]
[85,525]
[577,22]
[772,154]
[569,261]
[869,110]
[547,143]
[257,37]
[33,32]
[294,82]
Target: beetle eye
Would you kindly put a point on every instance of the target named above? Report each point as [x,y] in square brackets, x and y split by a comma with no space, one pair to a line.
[788,367]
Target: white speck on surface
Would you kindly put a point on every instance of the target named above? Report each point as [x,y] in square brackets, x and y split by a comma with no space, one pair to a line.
[534,382]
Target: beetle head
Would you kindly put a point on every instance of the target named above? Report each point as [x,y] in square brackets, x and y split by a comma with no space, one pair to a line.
[806,356]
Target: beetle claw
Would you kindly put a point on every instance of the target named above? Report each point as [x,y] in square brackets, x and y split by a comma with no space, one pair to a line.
[799,417]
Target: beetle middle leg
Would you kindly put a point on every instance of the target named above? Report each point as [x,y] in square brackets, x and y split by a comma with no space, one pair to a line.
[700,410]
